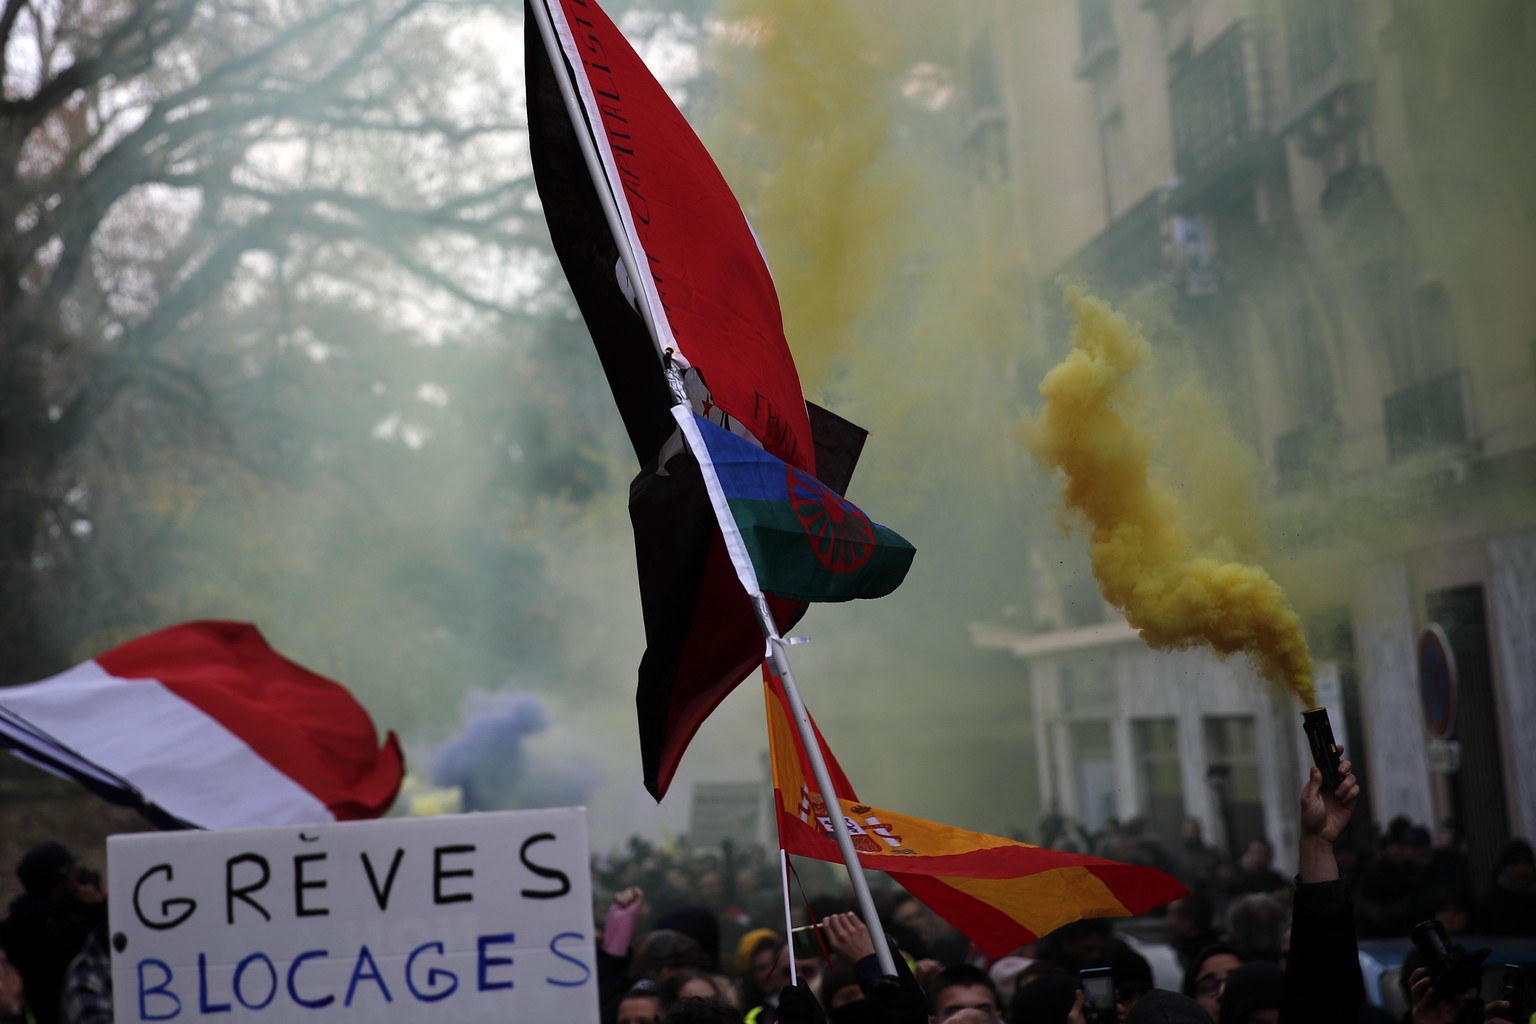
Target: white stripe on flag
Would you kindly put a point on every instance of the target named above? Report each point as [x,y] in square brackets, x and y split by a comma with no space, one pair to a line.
[179,757]
[735,545]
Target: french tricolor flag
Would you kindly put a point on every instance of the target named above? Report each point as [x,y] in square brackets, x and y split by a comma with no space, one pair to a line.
[203,725]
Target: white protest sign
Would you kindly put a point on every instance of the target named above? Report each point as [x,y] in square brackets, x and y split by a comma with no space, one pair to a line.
[462,918]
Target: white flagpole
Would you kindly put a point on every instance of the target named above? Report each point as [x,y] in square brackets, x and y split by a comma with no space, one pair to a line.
[789,921]
[742,562]
[856,877]
[595,171]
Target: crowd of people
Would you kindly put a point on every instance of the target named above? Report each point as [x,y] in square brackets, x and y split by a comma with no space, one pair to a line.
[1252,944]
[700,937]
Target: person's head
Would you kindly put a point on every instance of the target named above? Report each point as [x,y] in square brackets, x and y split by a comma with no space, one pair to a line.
[689,983]
[643,1003]
[43,871]
[1191,831]
[1190,916]
[910,914]
[1159,1007]
[1452,912]
[661,953]
[972,1016]
[710,885]
[1133,979]
[767,959]
[750,945]
[1005,974]
[1081,943]
[700,925]
[1207,975]
[694,1010]
[1258,856]
[1516,866]
[962,987]
[1254,924]
[1419,848]
[1252,994]
[839,987]
[1045,998]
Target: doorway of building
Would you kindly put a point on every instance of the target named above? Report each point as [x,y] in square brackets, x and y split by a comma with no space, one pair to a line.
[1478,806]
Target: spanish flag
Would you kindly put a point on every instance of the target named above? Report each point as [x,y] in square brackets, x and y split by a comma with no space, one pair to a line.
[997,892]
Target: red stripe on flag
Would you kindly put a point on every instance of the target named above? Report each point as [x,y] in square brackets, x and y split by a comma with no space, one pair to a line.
[710,277]
[995,932]
[1140,889]
[227,670]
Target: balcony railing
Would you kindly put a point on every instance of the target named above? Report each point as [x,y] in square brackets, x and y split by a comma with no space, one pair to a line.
[1217,103]
[1304,456]
[1427,415]
[1096,24]
[1321,38]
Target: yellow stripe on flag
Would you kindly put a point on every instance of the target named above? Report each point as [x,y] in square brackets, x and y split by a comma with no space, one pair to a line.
[1045,902]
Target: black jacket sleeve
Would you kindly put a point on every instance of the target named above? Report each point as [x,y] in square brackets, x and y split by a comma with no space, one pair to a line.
[1322,974]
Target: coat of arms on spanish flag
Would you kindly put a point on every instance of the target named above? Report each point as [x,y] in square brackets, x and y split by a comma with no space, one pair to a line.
[998,892]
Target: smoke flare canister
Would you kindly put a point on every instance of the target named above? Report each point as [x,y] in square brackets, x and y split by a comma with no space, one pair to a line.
[1325,752]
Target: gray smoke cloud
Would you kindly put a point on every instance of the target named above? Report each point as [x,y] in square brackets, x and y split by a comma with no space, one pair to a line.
[496,764]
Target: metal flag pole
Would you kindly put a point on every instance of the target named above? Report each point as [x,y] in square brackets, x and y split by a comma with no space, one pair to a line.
[595,170]
[780,659]
[620,231]
[789,921]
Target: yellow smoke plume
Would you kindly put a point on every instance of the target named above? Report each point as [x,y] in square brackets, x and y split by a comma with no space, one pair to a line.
[811,124]
[1177,592]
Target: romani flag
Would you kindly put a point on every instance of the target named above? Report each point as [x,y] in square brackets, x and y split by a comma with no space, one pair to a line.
[786,531]
[203,725]
[716,312]
[997,892]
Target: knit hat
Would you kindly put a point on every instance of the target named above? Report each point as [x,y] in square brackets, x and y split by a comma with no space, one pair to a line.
[43,866]
[748,943]
[1251,987]
[662,948]
[700,925]
[1005,972]
[1162,1007]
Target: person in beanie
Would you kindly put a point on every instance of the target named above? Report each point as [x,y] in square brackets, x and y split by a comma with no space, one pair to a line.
[48,923]
[1162,1007]
[1253,993]
[700,925]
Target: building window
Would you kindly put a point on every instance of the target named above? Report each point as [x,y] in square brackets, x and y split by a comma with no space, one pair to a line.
[1232,768]
[986,150]
[1319,36]
[1093,759]
[1214,103]
[982,68]
[1156,743]
[1099,47]
[1304,455]
[1434,330]
[1096,22]
[1427,415]
[1112,162]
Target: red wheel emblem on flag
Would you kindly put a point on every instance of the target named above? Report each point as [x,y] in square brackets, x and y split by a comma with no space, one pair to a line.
[840,534]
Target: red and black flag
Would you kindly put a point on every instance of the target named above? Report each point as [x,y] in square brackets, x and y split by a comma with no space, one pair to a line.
[626,182]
